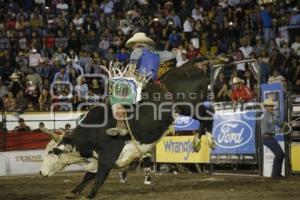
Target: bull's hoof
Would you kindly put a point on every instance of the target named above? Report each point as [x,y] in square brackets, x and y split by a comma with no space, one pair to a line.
[71,195]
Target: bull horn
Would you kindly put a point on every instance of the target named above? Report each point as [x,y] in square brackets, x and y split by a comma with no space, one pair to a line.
[53,135]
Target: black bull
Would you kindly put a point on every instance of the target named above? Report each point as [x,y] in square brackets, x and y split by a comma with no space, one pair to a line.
[147,128]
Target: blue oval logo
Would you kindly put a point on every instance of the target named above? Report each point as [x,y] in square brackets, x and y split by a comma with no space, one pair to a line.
[183,121]
[232,134]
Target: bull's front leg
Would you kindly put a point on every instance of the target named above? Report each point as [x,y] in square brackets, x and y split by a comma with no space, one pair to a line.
[105,163]
[89,176]
[101,175]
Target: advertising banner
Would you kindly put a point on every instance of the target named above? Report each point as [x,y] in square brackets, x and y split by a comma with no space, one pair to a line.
[269,157]
[179,149]
[21,162]
[234,133]
[25,162]
[184,123]
[3,164]
[295,158]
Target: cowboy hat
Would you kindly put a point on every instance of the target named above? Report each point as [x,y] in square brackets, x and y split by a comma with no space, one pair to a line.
[269,102]
[139,37]
[236,80]
[14,76]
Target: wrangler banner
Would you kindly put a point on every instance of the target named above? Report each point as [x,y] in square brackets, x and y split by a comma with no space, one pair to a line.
[179,149]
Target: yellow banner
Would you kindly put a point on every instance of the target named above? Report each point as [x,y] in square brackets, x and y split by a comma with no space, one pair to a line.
[179,149]
[295,157]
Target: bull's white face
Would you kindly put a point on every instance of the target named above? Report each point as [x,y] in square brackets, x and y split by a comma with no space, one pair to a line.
[57,157]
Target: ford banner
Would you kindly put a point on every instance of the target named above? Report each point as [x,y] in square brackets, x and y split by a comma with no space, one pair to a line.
[234,133]
[184,123]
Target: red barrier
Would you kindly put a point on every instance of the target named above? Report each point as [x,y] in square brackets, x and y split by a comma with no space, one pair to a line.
[19,141]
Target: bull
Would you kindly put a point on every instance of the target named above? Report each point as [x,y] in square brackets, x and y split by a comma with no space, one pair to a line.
[90,146]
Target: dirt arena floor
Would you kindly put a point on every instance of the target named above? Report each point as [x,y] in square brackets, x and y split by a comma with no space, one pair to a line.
[166,186]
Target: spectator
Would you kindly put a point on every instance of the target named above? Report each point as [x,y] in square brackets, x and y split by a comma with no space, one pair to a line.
[240,92]
[240,67]
[219,83]
[61,41]
[259,47]
[30,106]
[67,129]
[175,19]
[32,93]
[96,87]
[22,127]
[264,70]
[187,27]
[36,21]
[107,6]
[104,44]
[92,97]
[15,85]
[174,38]
[296,46]
[44,100]
[74,42]
[3,129]
[276,77]
[34,58]
[10,102]
[65,100]
[62,6]
[21,23]
[267,22]
[122,56]
[34,78]
[40,128]
[245,48]
[3,92]
[62,75]
[21,102]
[276,60]
[249,80]
[224,94]
[81,90]
[191,52]
[72,62]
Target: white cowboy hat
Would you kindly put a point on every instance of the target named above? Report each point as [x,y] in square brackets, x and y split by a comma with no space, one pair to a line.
[139,37]
[236,80]
[14,76]
[269,102]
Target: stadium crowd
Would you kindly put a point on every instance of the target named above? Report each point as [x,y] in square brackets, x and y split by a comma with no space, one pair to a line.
[46,46]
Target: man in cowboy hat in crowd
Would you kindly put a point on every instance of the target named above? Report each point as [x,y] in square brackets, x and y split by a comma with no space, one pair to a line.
[268,130]
[15,85]
[240,92]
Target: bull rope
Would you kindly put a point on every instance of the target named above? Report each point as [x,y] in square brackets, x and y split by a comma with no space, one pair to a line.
[134,141]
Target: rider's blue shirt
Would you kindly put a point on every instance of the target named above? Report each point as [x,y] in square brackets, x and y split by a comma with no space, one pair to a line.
[146,59]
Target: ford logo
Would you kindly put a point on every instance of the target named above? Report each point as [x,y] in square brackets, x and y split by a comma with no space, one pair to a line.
[232,134]
[183,121]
